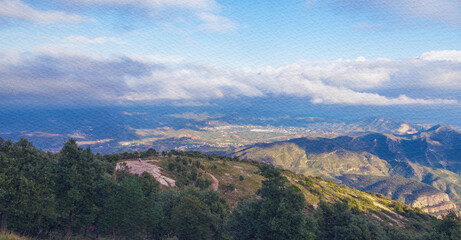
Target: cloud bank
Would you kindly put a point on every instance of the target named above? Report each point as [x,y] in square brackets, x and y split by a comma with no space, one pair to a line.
[42,78]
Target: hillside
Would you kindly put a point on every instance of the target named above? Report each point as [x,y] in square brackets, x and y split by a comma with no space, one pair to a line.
[188,195]
[431,157]
[239,179]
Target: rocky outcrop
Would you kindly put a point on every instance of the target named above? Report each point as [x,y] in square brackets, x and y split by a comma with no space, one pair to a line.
[433,203]
[149,166]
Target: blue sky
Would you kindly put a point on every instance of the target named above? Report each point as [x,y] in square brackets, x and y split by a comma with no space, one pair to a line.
[334,52]
[251,34]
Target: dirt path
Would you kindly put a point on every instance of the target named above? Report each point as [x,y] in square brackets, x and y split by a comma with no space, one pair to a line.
[138,167]
[215,183]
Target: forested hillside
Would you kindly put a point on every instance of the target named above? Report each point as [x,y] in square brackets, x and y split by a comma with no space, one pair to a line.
[76,194]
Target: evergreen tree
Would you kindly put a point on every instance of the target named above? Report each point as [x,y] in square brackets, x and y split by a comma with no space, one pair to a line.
[337,221]
[177,211]
[243,223]
[77,177]
[167,200]
[192,219]
[149,185]
[278,214]
[128,212]
[219,210]
[449,227]
[9,181]
[26,187]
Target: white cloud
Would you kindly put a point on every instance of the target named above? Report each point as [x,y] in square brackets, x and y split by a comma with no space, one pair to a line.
[159,59]
[330,83]
[16,9]
[205,11]
[215,23]
[186,4]
[444,55]
[333,95]
[441,10]
[98,40]
[432,69]
[187,81]
[68,77]
[447,11]
[197,116]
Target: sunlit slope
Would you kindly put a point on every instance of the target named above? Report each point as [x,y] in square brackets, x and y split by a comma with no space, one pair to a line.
[431,157]
[239,179]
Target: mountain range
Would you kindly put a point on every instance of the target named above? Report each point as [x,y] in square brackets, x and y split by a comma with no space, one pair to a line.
[420,166]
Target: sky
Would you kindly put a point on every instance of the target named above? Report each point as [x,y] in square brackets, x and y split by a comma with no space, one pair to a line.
[371,53]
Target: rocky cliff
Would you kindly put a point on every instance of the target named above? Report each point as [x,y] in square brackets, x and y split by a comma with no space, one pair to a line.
[412,192]
[436,203]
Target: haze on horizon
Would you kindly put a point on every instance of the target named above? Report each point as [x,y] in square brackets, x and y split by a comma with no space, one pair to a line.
[369,57]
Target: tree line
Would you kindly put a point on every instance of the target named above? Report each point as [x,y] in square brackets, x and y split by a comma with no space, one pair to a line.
[76,192]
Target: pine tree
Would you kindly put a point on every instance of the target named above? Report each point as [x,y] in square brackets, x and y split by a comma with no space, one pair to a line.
[26,187]
[9,181]
[278,214]
[449,227]
[36,210]
[78,174]
[192,219]
[128,211]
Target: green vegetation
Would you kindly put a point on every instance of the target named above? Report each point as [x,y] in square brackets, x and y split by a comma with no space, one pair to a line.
[77,177]
[187,172]
[278,214]
[27,198]
[78,193]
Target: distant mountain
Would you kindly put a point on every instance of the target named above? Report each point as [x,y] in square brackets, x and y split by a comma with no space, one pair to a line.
[384,125]
[431,156]
[411,192]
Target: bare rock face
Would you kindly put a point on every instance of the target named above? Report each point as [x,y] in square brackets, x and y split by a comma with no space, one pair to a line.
[434,203]
[138,167]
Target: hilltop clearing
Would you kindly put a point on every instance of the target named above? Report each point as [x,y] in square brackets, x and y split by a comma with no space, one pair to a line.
[149,166]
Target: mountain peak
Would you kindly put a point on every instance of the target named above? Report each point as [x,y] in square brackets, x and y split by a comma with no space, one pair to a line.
[388,125]
[442,128]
